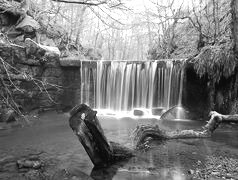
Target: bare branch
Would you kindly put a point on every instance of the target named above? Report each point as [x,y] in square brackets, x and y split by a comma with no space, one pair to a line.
[81,2]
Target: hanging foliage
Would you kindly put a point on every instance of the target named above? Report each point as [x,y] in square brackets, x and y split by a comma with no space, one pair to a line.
[215,61]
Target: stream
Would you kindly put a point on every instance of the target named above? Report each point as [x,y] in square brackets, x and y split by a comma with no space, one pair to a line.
[51,139]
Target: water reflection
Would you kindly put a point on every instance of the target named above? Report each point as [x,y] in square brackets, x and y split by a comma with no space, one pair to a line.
[165,159]
[106,173]
[137,173]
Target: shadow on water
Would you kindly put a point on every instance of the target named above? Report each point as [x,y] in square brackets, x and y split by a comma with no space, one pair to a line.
[107,173]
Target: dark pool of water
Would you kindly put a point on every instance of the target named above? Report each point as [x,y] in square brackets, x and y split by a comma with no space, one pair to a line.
[51,136]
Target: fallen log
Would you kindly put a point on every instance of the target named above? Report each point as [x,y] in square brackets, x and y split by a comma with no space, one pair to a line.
[84,123]
[143,133]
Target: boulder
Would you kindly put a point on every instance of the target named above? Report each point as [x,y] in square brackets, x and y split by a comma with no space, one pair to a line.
[138,112]
[50,50]
[7,115]
[38,50]
[157,111]
[29,163]
[28,25]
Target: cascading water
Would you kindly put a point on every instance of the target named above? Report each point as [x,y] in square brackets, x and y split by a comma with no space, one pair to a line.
[126,85]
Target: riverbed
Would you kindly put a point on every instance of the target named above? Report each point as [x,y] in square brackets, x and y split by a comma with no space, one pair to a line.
[49,137]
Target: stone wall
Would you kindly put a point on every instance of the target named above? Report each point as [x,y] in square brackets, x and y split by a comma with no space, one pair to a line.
[63,84]
[71,82]
[45,68]
[61,76]
[73,86]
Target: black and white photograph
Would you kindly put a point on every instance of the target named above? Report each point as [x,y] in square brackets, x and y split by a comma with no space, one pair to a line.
[118,89]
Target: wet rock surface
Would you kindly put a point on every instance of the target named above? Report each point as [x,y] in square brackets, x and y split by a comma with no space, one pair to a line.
[31,162]
[70,175]
[138,112]
[27,167]
[7,115]
[157,111]
[217,168]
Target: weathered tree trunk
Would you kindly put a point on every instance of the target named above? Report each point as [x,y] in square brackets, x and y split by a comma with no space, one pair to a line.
[142,133]
[87,128]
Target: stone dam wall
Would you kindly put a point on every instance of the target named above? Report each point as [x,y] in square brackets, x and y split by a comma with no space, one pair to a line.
[63,90]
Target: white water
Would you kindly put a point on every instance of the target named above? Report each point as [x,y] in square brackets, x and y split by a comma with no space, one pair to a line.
[121,86]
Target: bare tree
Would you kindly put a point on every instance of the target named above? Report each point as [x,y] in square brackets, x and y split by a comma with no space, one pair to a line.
[203,16]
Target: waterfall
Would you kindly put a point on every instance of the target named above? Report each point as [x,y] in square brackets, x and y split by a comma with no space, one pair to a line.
[126,85]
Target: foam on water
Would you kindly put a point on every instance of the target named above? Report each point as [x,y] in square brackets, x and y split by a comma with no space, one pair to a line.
[146,113]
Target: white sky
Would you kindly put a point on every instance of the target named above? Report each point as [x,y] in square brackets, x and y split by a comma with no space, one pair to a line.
[128,19]
[139,5]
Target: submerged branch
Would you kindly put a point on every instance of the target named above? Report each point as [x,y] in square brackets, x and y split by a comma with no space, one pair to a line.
[142,133]
[86,126]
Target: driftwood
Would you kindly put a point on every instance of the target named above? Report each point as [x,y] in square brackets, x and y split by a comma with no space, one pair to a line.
[143,133]
[87,128]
